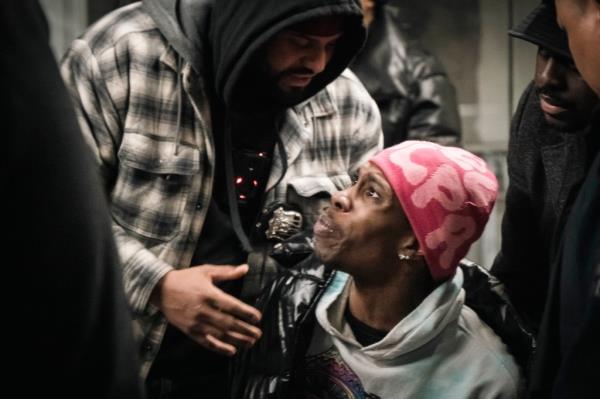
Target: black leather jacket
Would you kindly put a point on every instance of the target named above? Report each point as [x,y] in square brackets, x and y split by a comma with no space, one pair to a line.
[409,84]
[273,367]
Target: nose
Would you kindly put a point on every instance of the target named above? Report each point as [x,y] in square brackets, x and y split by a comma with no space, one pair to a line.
[340,201]
[550,74]
[316,59]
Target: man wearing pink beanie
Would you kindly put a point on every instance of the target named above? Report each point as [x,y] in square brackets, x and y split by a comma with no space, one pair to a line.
[390,321]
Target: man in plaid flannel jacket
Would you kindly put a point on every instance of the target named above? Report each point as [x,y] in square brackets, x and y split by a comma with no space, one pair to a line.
[180,98]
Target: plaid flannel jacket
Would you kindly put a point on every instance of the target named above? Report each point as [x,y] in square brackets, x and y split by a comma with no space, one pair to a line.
[123,77]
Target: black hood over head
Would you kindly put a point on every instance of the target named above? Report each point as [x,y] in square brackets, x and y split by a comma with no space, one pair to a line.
[240,28]
[185,25]
[228,34]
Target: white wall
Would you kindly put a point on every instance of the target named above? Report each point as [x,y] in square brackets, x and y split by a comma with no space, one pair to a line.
[506,67]
[67,20]
[524,53]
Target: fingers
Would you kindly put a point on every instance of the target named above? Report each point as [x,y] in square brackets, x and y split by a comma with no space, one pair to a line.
[225,273]
[223,333]
[215,345]
[233,306]
[232,337]
[247,333]
[216,320]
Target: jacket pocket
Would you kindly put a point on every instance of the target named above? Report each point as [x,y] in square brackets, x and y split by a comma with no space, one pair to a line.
[152,186]
[313,193]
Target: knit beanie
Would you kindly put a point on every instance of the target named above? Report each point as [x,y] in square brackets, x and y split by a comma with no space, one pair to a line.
[447,194]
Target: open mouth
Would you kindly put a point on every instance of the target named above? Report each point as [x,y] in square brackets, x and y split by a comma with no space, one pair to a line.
[324,227]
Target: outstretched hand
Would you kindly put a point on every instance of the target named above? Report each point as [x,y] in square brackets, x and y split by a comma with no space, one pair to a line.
[190,300]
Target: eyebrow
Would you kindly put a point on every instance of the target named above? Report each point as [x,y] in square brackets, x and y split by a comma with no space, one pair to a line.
[372,178]
[316,37]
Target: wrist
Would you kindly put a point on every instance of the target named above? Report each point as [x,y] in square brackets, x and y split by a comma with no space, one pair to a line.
[157,292]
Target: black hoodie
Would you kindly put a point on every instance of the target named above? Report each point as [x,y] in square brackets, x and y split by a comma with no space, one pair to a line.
[220,38]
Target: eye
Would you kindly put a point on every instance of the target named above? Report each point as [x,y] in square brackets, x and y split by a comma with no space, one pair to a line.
[371,193]
[300,41]
[354,178]
[330,46]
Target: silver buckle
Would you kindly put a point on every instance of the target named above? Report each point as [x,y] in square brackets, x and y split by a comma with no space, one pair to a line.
[283,224]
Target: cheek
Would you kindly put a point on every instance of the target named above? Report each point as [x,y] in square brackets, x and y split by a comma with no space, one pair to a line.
[373,238]
[564,12]
[329,54]
[281,57]
[584,97]
[585,59]
[538,72]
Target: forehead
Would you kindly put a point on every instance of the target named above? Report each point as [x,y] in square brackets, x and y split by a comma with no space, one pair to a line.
[317,38]
[331,25]
[544,53]
[372,173]
[370,168]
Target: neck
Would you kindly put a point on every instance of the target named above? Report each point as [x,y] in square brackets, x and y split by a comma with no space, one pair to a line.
[384,303]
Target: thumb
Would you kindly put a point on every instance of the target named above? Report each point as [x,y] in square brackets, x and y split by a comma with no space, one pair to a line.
[224,273]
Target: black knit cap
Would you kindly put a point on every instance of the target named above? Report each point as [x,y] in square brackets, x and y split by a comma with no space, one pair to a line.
[540,28]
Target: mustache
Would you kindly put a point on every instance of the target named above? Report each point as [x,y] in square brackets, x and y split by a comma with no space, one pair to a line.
[553,96]
[298,71]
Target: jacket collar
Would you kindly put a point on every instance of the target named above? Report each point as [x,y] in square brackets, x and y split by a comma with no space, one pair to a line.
[426,322]
[564,167]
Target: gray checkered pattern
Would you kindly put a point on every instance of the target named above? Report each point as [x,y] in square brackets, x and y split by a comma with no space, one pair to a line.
[122,75]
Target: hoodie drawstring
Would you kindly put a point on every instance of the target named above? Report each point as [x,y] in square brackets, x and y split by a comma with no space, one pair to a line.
[231,194]
[179,105]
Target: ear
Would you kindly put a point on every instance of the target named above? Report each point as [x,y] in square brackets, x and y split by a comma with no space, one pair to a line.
[408,244]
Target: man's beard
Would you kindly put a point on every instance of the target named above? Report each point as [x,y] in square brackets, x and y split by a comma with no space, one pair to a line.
[292,95]
[259,89]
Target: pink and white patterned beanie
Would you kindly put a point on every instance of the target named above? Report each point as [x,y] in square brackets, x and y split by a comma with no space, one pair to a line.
[447,194]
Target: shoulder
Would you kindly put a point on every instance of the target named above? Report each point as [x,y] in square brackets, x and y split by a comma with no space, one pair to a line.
[129,27]
[528,120]
[347,89]
[528,131]
[300,284]
[487,353]
[423,64]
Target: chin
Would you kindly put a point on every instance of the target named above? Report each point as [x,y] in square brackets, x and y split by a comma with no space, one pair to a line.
[290,95]
[559,124]
[327,253]
[323,254]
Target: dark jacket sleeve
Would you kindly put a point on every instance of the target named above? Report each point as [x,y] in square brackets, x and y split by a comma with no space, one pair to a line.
[72,332]
[433,113]
[579,289]
[273,367]
[486,295]
[522,256]
[416,98]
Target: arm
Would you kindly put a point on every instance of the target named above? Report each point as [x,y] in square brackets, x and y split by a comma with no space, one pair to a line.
[73,320]
[516,265]
[187,298]
[100,104]
[273,367]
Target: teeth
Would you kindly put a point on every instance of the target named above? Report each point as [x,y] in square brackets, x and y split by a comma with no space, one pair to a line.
[325,222]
